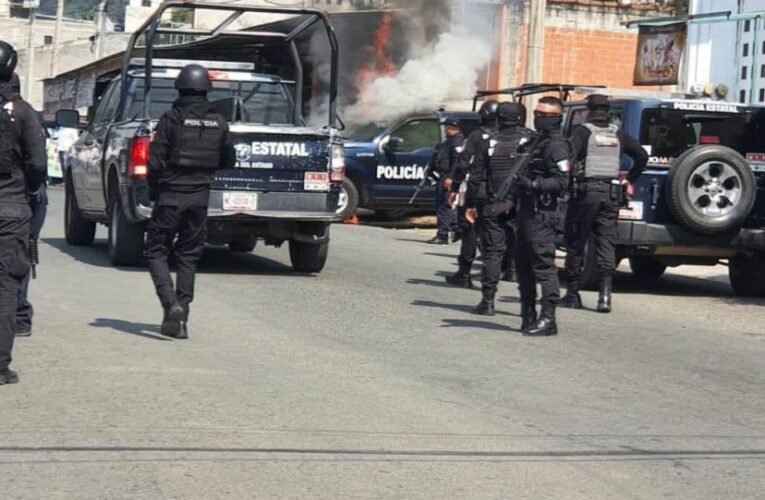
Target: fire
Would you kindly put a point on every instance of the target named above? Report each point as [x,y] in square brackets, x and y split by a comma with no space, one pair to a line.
[382,65]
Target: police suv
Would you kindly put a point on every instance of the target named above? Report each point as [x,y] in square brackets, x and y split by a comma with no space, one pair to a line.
[286,183]
[384,167]
[701,199]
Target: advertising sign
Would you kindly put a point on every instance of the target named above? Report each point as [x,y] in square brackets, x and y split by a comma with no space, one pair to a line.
[659,52]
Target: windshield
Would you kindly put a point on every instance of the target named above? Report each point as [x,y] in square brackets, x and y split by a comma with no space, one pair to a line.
[670,132]
[265,103]
[364,133]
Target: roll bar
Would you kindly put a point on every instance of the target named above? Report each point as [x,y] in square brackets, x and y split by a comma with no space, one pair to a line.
[518,93]
[151,28]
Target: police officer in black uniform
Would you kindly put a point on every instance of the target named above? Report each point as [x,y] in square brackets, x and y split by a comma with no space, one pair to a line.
[469,233]
[538,195]
[38,202]
[445,160]
[493,165]
[23,167]
[191,142]
[596,197]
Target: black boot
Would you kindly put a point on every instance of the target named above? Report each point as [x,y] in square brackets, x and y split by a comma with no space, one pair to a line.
[545,326]
[461,278]
[604,298]
[486,306]
[8,376]
[183,334]
[528,316]
[572,300]
[439,240]
[171,323]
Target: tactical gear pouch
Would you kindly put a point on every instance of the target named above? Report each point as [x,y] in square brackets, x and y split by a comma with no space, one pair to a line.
[197,143]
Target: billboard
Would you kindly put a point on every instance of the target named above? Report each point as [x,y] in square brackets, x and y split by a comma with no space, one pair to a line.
[659,52]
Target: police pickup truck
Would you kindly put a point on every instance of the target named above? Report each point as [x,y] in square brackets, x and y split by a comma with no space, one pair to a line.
[701,199]
[284,188]
[384,167]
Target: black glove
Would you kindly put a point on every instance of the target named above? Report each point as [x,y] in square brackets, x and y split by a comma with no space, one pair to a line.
[526,185]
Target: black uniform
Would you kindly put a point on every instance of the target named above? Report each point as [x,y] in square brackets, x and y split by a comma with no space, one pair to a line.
[23,167]
[191,142]
[446,159]
[38,203]
[594,210]
[493,165]
[536,221]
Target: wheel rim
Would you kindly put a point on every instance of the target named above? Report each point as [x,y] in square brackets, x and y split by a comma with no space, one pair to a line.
[715,189]
[342,200]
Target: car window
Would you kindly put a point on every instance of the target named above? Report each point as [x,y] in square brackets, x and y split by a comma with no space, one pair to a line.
[418,134]
[579,116]
[670,132]
[107,106]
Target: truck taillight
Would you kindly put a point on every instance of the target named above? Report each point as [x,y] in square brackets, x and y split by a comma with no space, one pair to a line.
[138,167]
[337,164]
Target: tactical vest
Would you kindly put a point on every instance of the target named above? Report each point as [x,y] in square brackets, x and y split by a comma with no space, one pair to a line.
[603,153]
[10,147]
[503,154]
[197,143]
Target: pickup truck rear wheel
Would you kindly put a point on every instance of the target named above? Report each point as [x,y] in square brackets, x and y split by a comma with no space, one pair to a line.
[125,239]
[308,257]
[590,279]
[647,268]
[79,232]
[747,274]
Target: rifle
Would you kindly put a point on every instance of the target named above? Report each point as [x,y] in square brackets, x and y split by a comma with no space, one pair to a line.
[34,255]
[520,169]
[425,178]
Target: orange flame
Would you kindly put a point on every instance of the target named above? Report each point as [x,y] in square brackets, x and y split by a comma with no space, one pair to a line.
[382,65]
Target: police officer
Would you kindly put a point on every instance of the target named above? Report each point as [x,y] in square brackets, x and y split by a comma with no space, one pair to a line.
[493,166]
[488,117]
[445,161]
[23,167]
[38,202]
[596,197]
[538,195]
[191,142]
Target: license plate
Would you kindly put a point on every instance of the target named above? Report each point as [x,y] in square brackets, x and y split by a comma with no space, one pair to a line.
[633,212]
[240,202]
[316,181]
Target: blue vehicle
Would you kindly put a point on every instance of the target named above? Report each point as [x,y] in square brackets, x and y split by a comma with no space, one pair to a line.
[701,200]
[384,167]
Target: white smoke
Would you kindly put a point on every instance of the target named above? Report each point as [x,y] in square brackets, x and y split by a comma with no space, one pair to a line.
[445,71]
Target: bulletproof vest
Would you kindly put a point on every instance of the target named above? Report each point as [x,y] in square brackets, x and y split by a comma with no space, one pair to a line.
[504,152]
[603,153]
[197,142]
[10,147]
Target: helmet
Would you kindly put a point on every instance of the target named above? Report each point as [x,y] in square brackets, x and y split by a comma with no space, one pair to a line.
[488,111]
[15,83]
[8,60]
[511,113]
[193,77]
[452,122]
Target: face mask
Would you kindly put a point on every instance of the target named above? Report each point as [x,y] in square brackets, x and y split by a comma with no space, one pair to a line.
[547,123]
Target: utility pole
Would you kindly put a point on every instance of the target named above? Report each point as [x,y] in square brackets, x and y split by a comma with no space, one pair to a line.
[30,54]
[56,37]
[101,19]
[535,51]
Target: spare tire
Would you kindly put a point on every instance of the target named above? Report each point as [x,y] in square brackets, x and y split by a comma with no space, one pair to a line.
[710,189]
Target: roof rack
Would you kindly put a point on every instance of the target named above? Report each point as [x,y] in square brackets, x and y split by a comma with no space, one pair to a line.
[180,63]
[642,94]
[518,93]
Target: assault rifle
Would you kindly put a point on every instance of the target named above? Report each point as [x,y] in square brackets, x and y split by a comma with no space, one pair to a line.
[34,256]
[502,202]
[426,175]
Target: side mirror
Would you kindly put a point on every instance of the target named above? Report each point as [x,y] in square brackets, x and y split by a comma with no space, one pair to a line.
[68,118]
[394,144]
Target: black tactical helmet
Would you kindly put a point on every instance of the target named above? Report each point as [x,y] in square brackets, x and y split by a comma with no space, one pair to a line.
[8,60]
[193,77]
[452,121]
[598,101]
[511,113]
[488,111]
[15,83]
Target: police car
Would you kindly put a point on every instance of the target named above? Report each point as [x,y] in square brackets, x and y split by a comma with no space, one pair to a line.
[701,199]
[384,166]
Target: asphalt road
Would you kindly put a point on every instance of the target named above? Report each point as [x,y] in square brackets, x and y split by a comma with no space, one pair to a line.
[373,380]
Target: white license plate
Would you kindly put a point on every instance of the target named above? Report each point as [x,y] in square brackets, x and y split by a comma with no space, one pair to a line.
[240,202]
[633,212]
[316,181]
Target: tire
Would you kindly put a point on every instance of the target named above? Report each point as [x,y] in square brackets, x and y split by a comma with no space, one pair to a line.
[590,279]
[391,215]
[647,268]
[79,232]
[747,275]
[125,239]
[308,257]
[710,190]
[349,199]
[244,246]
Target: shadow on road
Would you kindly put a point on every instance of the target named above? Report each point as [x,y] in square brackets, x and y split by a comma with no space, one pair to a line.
[144,330]
[216,260]
[471,323]
[452,307]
